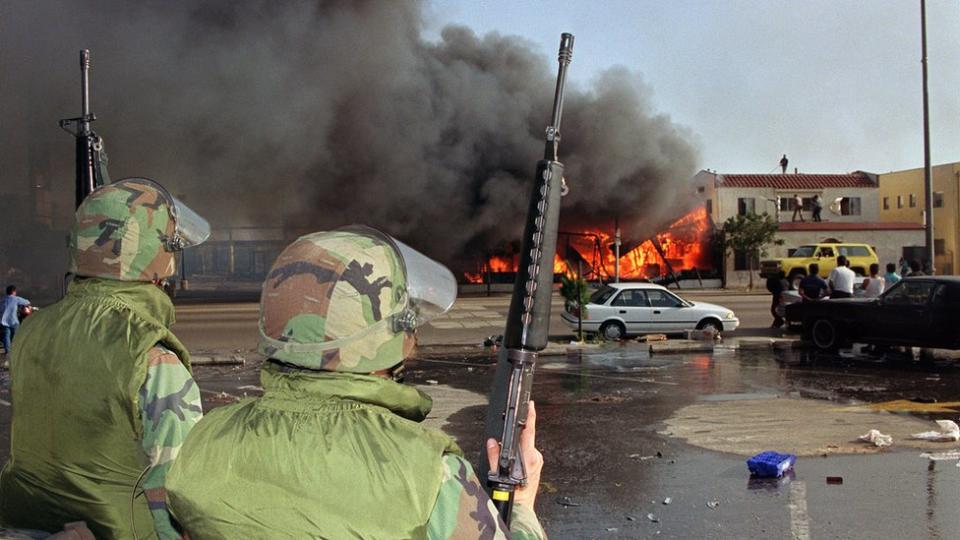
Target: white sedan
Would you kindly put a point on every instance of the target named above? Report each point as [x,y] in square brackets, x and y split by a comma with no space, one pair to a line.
[621,309]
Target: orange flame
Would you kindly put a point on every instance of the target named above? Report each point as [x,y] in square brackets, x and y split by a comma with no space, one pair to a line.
[685,244]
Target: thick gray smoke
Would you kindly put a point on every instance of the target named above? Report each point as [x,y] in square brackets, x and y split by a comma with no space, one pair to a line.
[317,114]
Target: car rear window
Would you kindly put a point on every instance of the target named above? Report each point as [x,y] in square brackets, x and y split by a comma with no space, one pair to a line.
[909,292]
[854,251]
[602,295]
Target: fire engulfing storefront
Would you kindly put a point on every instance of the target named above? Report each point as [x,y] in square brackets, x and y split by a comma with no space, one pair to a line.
[681,250]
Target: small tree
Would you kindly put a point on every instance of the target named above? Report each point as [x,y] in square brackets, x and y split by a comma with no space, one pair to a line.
[749,233]
[575,291]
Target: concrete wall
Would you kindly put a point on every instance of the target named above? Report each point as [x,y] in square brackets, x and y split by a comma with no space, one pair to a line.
[903,184]
[888,245]
[764,200]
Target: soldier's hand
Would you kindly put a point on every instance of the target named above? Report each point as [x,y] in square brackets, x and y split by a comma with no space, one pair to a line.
[532,458]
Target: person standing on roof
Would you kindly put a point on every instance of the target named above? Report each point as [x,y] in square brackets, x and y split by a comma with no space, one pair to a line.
[783,164]
[797,207]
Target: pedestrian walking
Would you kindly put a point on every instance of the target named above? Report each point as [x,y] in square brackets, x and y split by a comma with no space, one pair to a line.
[10,306]
[891,276]
[797,207]
[102,392]
[841,279]
[874,285]
[813,287]
[334,448]
[817,207]
[776,285]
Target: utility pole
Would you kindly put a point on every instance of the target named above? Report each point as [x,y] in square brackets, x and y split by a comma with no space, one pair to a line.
[927,167]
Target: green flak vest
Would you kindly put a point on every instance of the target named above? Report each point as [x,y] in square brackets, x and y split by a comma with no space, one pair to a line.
[75,443]
[320,455]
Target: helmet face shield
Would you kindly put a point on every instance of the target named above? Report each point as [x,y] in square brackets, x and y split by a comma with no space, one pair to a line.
[189,228]
[192,230]
[129,230]
[431,287]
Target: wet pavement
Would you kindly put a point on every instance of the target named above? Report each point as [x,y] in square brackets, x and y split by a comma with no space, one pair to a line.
[610,464]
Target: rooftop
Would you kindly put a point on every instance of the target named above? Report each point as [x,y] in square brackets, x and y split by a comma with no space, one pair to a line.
[797,181]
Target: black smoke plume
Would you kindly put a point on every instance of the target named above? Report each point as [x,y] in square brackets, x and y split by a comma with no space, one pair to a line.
[315,114]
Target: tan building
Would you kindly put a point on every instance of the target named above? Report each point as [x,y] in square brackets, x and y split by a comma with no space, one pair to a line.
[901,195]
[850,214]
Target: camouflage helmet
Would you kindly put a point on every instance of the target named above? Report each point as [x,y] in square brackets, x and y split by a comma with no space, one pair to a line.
[349,300]
[130,230]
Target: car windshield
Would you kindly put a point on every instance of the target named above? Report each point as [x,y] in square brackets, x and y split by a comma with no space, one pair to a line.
[804,251]
[602,295]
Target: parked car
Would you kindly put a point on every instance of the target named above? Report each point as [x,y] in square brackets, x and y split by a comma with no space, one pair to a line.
[621,309]
[791,296]
[918,312]
[861,256]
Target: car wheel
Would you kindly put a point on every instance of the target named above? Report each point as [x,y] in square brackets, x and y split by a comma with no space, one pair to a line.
[825,335]
[613,330]
[710,324]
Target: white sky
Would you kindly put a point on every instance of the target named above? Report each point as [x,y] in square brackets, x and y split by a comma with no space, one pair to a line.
[834,84]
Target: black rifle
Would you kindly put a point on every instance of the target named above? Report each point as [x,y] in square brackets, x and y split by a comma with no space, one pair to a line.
[528,320]
[91,157]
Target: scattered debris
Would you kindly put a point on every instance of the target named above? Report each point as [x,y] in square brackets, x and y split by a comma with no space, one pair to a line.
[878,439]
[640,457]
[653,518]
[611,529]
[659,454]
[941,456]
[432,381]
[835,480]
[668,500]
[713,504]
[493,340]
[566,502]
[770,464]
[949,431]
[251,387]
[652,337]
[631,518]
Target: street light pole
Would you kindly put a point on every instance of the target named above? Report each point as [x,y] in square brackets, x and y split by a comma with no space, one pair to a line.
[927,167]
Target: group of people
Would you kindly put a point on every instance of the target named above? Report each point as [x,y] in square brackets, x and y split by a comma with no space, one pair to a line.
[108,434]
[817,204]
[840,283]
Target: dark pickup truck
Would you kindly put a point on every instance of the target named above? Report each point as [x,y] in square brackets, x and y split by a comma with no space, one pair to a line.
[916,311]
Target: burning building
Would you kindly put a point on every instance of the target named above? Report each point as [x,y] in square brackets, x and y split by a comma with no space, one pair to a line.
[682,247]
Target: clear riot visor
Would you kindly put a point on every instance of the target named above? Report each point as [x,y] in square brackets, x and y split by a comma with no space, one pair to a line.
[431,287]
[191,229]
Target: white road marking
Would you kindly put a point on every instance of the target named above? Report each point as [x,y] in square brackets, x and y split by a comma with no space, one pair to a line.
[799,521]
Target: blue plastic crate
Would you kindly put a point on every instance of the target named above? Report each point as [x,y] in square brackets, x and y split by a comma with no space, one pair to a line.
[771,464]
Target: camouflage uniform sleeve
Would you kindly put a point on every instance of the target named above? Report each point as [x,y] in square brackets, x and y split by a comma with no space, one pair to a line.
[463,509]
[169,408]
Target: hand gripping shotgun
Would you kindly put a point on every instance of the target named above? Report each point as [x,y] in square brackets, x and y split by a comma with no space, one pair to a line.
[529,317]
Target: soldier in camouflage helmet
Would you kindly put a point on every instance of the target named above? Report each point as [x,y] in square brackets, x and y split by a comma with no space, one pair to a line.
[335,448]
[102,392]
